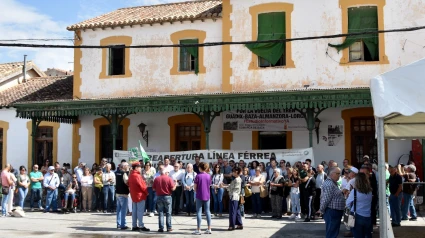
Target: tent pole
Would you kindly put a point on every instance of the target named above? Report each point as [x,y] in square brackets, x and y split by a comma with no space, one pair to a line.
[383,213]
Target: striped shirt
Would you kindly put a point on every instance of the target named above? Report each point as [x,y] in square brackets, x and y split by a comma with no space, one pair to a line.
[331,196]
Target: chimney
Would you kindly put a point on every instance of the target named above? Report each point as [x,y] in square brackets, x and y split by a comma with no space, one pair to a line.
[25,69]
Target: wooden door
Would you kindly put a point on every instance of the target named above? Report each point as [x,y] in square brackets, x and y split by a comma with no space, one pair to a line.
[363,140]
[188,137]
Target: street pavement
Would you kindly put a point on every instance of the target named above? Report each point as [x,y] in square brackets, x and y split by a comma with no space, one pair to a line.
[99,225]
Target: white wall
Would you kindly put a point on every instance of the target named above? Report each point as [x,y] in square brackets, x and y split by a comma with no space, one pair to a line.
[312,65]
[151,67]
[159,137]
[17,140]
[396,148]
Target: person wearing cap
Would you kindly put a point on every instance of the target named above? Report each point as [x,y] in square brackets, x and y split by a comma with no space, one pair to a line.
[139,194]
[395,182]
[408,174]
[51,183]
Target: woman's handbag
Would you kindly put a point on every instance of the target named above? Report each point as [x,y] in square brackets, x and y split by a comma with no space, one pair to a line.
[5,190]
[350,219]
[263,191]
[242,200]
[248,192]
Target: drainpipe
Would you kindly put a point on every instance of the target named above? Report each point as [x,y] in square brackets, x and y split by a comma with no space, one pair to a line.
[24,70]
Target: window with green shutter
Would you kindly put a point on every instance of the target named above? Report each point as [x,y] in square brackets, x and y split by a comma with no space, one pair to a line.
[188,57]
[271,26]
[361,47]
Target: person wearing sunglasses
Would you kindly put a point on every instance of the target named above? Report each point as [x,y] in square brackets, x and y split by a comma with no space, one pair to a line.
[51,183]
[71,190]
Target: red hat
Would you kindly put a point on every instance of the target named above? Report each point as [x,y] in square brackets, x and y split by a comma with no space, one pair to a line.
[136,164]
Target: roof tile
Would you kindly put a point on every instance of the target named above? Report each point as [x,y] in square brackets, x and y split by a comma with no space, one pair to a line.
[39,89]
[7,69]
[190,10]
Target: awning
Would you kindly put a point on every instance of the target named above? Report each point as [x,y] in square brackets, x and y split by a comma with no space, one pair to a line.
[398,97]
[295,99]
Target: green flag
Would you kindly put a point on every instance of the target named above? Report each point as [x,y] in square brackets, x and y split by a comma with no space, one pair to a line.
[144,154]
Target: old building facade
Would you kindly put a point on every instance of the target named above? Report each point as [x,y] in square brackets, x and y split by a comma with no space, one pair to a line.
[175,91]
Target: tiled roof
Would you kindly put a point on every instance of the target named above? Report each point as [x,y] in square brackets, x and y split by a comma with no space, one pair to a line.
[7,69]
[38,89]
[190,10]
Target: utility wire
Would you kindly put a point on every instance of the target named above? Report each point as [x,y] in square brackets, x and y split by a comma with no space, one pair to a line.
[208,44]
[59,39]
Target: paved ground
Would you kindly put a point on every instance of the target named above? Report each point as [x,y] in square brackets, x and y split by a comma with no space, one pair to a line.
[97,225]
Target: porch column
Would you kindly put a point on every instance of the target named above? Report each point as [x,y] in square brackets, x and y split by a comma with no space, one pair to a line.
[34,126]
[310,115]
[114,130]
[207,118]
[310,118]
[115,121]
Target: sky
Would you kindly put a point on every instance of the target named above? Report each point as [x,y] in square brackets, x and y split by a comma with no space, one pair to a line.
[48,19]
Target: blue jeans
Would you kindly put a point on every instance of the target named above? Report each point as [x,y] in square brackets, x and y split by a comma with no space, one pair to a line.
[137,214]
[22,195]
[395,205]
[199,204]
[408,206]
[256,203]
[35,197]
[122,203]
[151,201]
[164,206]
[4,203]
[333,222]
[362,227]
[108,198]
[218,200]
[190,199]
[52,200]
[66,196]
[295,203]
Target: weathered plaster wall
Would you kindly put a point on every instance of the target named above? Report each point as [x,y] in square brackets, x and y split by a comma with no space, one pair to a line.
[17,140]
[151,67]
[312,65]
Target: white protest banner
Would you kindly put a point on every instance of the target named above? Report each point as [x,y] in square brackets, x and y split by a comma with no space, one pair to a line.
[211,156]
[264,120]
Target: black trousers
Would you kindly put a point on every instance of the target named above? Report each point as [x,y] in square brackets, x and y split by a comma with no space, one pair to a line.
[308,205]
[317,199]
[175,196]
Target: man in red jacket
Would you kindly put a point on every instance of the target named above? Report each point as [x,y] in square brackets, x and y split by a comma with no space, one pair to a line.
[139,193]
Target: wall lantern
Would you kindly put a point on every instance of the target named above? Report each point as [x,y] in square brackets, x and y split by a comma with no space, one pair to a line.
[145,133]
[317,126]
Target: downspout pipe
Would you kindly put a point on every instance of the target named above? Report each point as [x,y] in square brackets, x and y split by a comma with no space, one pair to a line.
[24,70]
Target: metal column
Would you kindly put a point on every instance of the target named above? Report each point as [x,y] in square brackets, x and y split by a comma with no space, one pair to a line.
[207,118]
[34,126]
[383,213]
[310,125]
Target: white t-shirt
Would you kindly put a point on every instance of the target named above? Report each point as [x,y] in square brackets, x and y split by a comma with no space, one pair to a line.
[350,184]
[177,176]
[256,179]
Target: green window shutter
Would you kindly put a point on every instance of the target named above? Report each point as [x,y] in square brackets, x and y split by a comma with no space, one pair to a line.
[271,26]
[193,51]
[362,19]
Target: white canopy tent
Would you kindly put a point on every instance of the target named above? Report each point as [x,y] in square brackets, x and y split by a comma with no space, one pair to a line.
[399,107]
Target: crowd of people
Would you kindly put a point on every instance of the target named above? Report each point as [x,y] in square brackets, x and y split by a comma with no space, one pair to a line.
[299,191]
